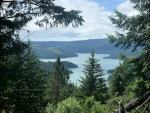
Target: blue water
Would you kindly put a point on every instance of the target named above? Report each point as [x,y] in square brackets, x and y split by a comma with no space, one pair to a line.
[106,64]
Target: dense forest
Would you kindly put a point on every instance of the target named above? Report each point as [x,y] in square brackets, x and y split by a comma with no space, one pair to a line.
[28,87]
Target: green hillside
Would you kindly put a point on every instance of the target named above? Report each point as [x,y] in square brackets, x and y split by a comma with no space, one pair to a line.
[53,49]
[51,52]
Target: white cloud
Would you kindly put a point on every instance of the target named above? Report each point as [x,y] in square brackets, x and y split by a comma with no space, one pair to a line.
[96,25]
[127,8]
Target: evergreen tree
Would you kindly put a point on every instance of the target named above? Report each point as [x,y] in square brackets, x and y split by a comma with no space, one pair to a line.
[25,90]
[35,78]
[19,83]
[118,81]
[58,83]
[11,82]
[137,35]
[93,84]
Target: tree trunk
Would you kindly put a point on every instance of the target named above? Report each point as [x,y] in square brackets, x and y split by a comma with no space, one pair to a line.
[134,103]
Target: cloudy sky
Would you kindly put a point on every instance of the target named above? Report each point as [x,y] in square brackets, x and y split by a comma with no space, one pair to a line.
[96,15]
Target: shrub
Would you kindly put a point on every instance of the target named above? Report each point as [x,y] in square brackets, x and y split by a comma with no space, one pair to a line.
[70,105]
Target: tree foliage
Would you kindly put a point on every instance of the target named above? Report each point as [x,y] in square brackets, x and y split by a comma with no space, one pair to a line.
[21,77]
[137,35]
[58,87]
[92,106]
[72,105]
[93,84]
[17,13]
[25,86]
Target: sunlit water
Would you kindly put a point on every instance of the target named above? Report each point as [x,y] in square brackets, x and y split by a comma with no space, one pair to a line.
[106,64]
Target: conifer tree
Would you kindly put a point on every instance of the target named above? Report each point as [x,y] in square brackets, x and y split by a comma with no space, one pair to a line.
[12,81]
[26,88]
[137,36]
[57,82]
[93,84]
[35,78]
[118,80]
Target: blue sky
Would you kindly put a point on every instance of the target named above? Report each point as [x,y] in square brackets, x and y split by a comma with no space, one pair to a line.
[96,15]
[109,4]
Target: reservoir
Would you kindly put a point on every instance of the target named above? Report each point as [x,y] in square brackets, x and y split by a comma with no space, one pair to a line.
[106,64]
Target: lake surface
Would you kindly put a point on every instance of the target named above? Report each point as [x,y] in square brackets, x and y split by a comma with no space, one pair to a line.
[106,64]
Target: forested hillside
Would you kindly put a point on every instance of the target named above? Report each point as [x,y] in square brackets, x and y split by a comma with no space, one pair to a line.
[51,52]
[52,49]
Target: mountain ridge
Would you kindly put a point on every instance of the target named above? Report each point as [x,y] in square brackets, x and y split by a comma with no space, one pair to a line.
[70,48]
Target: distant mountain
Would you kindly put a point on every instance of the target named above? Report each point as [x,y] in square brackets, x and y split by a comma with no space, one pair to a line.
[84,46]
[52,49]
[50,52]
